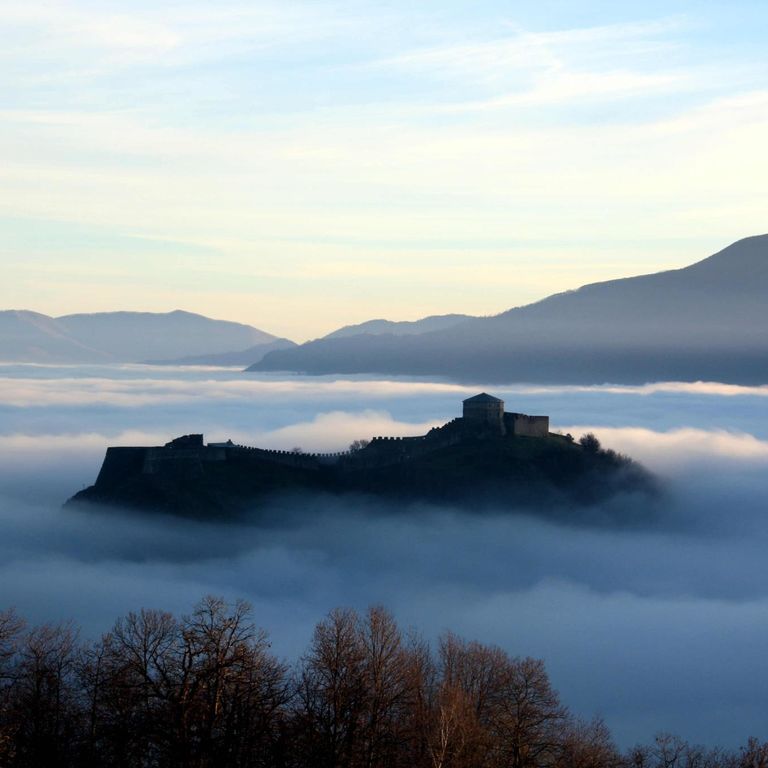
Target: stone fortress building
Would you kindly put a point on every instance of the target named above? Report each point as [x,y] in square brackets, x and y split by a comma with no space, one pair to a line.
[483,457]
[483,418]
[484,410]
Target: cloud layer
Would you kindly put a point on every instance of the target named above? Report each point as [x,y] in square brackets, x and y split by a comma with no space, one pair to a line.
[656,624]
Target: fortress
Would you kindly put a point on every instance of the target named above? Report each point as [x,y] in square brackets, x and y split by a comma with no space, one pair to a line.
[483,419]
[484,456]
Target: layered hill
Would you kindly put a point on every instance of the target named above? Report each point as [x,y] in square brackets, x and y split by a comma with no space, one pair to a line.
[705,321]
[399,327]
[32,337]
[123,337]
[238,358]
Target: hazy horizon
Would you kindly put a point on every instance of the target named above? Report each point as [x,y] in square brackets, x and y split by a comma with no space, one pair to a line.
[193,311]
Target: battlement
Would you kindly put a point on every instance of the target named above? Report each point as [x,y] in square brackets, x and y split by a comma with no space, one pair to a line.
[465,460]
[483,418]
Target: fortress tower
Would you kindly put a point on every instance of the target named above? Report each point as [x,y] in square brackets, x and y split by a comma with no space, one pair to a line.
[484,410]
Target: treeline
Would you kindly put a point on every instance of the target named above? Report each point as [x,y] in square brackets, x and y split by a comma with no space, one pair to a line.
[204,690]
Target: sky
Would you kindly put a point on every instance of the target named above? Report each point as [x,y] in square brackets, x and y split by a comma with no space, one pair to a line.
[651,613]
[304,165]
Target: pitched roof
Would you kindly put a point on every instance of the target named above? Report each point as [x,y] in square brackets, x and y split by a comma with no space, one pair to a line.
[483,397]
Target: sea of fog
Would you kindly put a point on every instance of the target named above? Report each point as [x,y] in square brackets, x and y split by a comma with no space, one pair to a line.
[653,614]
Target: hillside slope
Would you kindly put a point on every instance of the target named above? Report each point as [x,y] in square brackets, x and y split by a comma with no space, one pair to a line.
[123,337]
[399,328]
[27,336]
[237,358]
[546,476]
[705,321]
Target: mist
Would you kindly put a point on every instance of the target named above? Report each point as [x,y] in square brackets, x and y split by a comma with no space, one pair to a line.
[657,625]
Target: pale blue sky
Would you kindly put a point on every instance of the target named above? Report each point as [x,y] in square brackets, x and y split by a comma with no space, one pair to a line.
[300,166]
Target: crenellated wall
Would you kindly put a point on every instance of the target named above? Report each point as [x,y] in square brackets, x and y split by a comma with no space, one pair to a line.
[291,458]
[188,454]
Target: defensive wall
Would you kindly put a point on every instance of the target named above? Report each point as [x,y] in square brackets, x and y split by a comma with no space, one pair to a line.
[526,426]
[189,453]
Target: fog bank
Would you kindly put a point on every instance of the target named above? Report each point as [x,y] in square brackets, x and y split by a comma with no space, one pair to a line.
[653,626]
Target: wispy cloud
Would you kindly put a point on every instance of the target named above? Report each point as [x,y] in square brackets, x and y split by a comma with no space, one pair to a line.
[523,49]
[309,141]
[140,391]
[562,67]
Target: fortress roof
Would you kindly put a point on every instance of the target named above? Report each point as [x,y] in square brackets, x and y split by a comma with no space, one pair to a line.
[483,397]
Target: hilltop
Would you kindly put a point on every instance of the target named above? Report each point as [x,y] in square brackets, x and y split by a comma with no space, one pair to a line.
[127,337]
[486,458]
[705,321]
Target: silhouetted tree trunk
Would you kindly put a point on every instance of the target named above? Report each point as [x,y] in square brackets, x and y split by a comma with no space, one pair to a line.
[588,745]
[232,690]
[138,676]
[43,702]
[528,718]
[11,627]
[332,694]
[754,755]
[387,688]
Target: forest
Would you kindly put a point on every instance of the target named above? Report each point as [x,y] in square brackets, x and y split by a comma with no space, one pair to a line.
[205,689]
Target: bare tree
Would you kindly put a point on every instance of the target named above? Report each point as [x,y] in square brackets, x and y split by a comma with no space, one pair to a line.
[204,691]
[230,687]
[387,686]
[332,693]
[135,704]
[43,697]
[528,719]
[588,745]
[11,627]
[754,754]
[466,701]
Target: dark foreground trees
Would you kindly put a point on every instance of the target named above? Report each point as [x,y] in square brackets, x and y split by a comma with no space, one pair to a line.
[204,690]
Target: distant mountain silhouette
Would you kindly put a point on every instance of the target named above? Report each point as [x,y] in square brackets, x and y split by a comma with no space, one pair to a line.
[237,358]
[106,337]
[399,328]
[705,321]
[27,336]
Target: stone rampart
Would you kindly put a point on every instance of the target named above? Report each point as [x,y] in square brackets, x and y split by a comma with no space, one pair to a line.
[520,424]
[291,458]
[189,453]
[120,463]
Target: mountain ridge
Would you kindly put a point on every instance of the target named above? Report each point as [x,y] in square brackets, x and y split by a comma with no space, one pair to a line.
[120,337]
[380,326]
[706,320]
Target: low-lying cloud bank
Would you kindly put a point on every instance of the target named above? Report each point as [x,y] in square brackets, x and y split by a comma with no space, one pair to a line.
[678,448]
[654,627]
[138,386]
